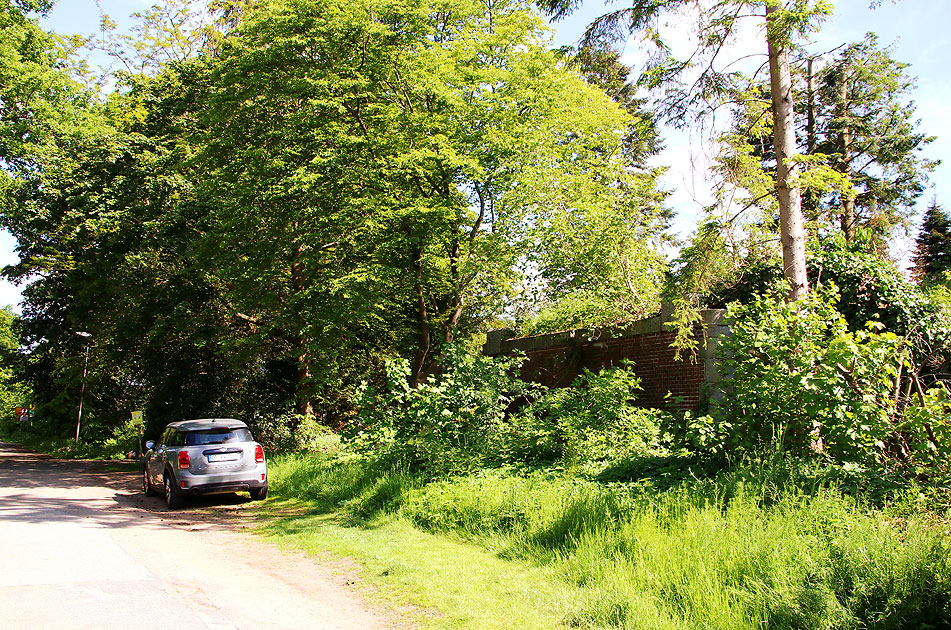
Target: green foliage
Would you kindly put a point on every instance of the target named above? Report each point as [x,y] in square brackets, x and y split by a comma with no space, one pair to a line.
[39,103]
[871,135]
[449,423]
[796,374]
[12,393]
[927,430]
[603,67]
[703,264]
[710,273]
[289,433]
[593,419]
[476,412]
[113,441]
[872,289]
[255,216]
[579,309]
[860,158]
[396,190]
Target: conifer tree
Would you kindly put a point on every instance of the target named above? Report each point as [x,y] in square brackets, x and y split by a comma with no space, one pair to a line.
[933,252]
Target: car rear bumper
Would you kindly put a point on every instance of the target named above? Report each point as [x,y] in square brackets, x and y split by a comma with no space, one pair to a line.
[230,486]
[228,482]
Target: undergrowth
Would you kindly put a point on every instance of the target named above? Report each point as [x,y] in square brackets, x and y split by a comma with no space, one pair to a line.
[116,446]
[774,544]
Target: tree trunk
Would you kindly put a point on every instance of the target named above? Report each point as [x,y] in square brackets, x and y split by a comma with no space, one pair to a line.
[847,219]
[425,331]
[809,201]
[304,398]
[811,105]
[792,233]
[305,403]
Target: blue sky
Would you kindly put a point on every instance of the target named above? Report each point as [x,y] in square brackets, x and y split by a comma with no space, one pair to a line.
[917,30]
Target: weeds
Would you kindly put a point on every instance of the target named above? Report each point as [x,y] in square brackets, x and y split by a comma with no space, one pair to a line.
[770,544]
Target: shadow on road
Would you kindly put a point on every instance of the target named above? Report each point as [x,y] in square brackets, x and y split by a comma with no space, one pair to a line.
[109,495]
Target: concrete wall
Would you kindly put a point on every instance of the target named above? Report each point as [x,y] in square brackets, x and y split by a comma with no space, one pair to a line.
[556,359]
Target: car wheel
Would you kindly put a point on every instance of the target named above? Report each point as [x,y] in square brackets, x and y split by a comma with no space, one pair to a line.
[258,494]
[173,499]
[146,486]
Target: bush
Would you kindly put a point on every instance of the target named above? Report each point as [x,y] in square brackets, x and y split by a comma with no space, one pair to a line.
[796,374]
[287,433]
[581,309]
[594,419]
[449,423]
[477,412]
[872,289]
[927,430]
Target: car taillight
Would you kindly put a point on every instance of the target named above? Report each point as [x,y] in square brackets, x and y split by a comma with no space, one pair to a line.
[183,462]
[258,454]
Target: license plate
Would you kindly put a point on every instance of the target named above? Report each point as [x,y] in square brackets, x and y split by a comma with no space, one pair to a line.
[223,457]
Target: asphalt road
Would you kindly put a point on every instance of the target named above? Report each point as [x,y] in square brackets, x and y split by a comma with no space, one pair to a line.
[83,548]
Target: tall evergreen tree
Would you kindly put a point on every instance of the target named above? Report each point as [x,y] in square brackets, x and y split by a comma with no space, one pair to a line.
[867,127]
[933,251]
[719,23]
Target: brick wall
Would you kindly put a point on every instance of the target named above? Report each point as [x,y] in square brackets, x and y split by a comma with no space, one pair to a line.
[557,359]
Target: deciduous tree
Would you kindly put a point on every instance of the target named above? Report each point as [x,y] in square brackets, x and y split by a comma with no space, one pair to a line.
[370,158]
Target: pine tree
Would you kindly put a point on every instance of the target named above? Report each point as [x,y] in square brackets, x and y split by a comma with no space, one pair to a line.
[867,127]
[719,23]
[933,251]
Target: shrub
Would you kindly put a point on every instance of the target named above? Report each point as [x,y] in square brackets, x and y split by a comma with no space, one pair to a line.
[873,289]
[288,432]
[595,417]
[476,411]
[927,429]
[797,374]
[451,422]
[580,309]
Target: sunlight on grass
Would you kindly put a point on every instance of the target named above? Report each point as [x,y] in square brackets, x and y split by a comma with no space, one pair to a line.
[470,587]
[752,548]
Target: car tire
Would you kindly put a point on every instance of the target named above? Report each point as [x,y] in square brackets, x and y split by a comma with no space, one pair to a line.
[258,494]
[173,499]
[146,486]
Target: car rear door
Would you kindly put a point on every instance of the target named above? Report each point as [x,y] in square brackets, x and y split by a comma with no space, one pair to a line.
[220,451]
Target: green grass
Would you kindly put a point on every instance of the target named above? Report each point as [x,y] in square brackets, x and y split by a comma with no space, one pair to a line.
[65,447]
[756,547]
[440,581]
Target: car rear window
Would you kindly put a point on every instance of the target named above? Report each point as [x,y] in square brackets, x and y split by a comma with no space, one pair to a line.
[216,436]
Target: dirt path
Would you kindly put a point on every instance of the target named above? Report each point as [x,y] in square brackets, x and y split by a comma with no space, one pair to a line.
[83,548]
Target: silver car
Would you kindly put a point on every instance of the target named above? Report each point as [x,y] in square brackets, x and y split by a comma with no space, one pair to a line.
[204,457]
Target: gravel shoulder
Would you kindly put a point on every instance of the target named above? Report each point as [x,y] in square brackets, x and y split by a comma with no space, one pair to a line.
[82,547]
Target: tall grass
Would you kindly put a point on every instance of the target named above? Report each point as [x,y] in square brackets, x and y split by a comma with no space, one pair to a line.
[756,547]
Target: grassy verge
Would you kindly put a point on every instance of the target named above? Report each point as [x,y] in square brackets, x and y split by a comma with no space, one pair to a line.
[756,547]
[442,581]
[66,448]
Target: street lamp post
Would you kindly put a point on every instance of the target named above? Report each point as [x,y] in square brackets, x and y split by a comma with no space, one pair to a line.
[82,391]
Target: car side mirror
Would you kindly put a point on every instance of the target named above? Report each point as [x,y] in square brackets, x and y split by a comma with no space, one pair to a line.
[150,445]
